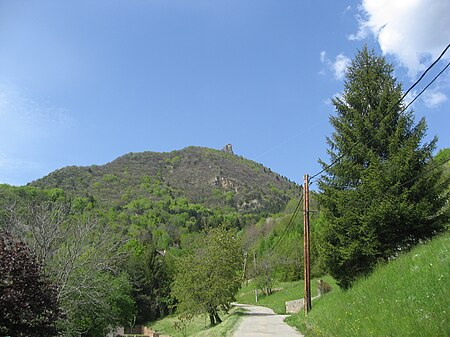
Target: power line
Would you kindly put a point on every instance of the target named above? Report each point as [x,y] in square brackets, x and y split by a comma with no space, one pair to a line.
[424,73]
[420,93]
[294,214]
[392,108]
[419,175]
[407,106]
[425,172]
[297,208]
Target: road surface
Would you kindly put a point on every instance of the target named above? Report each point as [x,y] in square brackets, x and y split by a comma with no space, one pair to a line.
[261,322]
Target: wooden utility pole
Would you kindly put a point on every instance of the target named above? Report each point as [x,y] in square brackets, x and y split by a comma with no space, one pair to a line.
[306,250]
[256,283]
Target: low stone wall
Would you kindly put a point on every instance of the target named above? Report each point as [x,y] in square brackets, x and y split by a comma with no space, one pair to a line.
[292,307]
[138,331]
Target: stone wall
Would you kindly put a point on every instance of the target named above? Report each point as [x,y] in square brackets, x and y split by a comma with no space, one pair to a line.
[292,307]
[138,330]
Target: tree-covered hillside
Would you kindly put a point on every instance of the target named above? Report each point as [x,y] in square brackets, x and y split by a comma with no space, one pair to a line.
[201,175]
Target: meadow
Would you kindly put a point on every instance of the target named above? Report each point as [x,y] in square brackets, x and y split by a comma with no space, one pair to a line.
[408,296]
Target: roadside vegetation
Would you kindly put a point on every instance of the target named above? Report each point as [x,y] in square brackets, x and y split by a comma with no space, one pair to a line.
[199,326]
[282,293]
[405,297]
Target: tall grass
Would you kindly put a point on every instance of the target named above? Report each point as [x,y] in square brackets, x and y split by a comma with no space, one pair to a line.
[409,296]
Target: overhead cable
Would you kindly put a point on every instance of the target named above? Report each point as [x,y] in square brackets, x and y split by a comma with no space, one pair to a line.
[393,106]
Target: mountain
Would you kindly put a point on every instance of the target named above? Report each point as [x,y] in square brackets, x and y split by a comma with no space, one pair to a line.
[200,175]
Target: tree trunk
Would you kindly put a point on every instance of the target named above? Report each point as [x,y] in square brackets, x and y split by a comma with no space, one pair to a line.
[211,319]
[218,320]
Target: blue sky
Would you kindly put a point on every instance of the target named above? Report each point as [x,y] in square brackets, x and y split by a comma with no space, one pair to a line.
[83,82]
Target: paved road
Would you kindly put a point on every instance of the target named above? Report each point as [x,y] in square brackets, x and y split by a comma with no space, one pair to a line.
[262,322]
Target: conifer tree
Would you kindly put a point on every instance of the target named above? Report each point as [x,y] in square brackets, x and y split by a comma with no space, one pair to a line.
[379,196]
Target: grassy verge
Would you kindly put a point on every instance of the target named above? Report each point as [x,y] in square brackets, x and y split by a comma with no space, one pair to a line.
[284,291]
[199,327]
[407,297]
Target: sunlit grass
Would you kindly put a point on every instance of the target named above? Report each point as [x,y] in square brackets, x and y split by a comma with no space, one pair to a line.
[407,297]
[200,326]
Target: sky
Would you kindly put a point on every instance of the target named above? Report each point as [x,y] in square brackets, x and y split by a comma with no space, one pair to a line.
[83,82]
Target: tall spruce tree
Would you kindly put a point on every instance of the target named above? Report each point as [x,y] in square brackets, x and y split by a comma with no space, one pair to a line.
[380,196]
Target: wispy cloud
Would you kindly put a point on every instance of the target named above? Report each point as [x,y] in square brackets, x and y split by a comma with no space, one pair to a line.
[409,97]
[338,66]
[26,127]
[329,100]
[347,9]
[433,99]
[323,55]
[12,169]
[22,115]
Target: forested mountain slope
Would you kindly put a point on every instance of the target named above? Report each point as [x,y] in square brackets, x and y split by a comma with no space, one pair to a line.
[201,175]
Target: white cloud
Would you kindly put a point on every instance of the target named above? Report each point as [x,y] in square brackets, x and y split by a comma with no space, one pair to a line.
[434,98]
[328,101]
[414,31]
[338,67]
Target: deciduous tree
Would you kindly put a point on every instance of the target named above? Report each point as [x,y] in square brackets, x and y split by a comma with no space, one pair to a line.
[28,300]
[209,277]
[83,255]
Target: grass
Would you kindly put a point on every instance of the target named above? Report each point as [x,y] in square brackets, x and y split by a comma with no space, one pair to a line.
[407,297]
[199,327]
[284,291]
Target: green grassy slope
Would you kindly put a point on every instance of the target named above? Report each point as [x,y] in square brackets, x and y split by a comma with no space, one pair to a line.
[407,297]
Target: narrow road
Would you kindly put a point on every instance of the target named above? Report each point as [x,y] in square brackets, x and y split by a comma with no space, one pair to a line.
[262,322]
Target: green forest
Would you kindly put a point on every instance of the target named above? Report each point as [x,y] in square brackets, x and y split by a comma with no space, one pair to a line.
[86,250]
